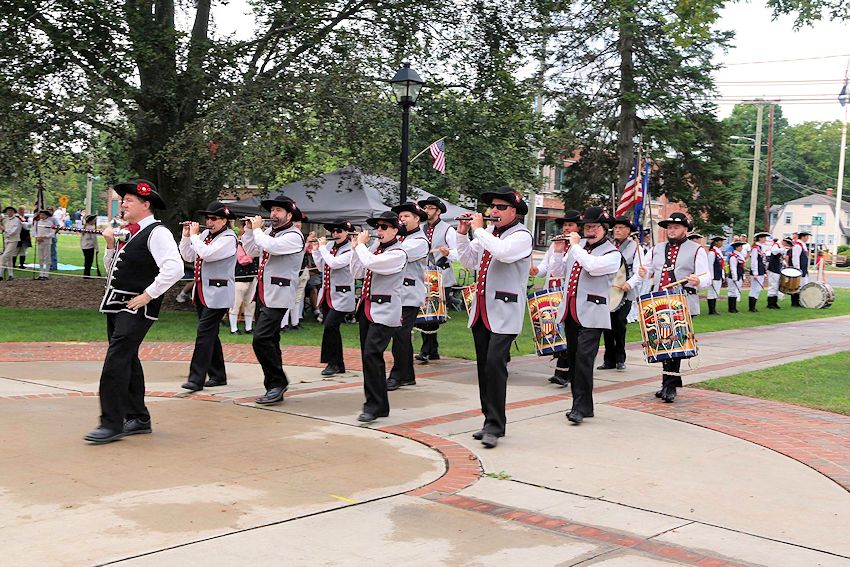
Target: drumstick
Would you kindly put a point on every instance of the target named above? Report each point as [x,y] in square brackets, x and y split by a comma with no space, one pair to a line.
[681,281]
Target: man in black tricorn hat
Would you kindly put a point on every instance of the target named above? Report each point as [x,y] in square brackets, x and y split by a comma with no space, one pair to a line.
[281,251]
[213,254]
[676,259]
[141,270]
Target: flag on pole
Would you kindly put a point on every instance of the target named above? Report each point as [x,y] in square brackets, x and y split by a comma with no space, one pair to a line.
[632,193]
[644,195]
[39,199]
[844,96]
[438,152]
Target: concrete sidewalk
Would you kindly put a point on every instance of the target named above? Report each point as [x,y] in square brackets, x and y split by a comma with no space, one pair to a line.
[713,479]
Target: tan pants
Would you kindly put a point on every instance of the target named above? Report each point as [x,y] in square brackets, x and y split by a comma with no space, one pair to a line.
[7,260]
[44,257]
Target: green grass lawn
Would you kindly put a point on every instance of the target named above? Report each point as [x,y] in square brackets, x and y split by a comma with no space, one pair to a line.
[821,383]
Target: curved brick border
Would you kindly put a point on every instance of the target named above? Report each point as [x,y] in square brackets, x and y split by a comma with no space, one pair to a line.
[817,439]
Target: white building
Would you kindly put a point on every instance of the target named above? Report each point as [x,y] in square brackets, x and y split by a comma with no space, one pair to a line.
[805,213]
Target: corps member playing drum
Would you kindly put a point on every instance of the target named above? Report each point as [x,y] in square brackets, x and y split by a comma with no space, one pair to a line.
[588,269]
[501,254]
[213,253]
[336,296]
[800,261]
[676,259]
[716,266]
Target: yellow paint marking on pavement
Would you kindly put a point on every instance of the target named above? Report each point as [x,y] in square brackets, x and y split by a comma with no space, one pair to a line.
[343,498]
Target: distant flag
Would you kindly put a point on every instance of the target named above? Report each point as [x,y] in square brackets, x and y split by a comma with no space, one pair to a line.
[632,193]
[438,152]
[39,199]
[844,96]
[644,195]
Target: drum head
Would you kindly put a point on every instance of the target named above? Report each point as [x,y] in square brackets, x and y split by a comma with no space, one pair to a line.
[617,295]
[813,295]
[791,273]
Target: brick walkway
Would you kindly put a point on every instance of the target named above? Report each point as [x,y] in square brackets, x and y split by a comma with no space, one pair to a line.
[818,439]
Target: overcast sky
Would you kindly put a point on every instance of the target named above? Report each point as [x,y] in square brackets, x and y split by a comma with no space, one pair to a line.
[812,54]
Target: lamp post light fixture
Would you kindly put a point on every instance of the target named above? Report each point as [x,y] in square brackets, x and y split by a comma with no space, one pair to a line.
[406,86]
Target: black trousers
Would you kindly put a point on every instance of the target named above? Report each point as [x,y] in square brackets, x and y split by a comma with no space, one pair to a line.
[615,338]
[266,343]
[402,369]
[430,344]
[671,380]
[492,353]
[208,358]
[332,337]
[88,260]
[122,380]
[582,356]
[374,339]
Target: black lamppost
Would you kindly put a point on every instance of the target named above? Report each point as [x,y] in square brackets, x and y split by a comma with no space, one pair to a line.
[406,86]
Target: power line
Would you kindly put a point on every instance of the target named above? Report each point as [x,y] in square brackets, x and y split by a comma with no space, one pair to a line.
[787,60]
[785,82]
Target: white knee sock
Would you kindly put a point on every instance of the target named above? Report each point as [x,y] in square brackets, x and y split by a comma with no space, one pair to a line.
[249,323]
[233,319]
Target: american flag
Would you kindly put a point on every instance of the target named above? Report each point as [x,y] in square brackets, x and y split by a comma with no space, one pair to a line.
[438,152]
[632,194]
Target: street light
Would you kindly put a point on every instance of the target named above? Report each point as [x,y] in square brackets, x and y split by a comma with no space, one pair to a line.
[406,86]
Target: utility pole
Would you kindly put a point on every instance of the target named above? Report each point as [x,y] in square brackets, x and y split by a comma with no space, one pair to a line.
[754,190]
[769,174]
[89,179]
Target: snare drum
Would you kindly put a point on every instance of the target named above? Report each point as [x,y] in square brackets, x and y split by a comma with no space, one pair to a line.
[790,280]
[434,308]
[549,336]
[816,295]
[666,326]
[617,295]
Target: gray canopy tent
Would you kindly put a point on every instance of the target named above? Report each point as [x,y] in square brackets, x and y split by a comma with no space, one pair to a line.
[346,193]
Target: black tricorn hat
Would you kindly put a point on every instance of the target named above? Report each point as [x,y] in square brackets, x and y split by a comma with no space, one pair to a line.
[280,201]
[141,188]
[596,214]
[714,239]
[569,216]
[694,236]
[432,200]
[14,210]
[411,207]
[788,240]
[624,220]
[90,218]
[676,218]
[299,216]
[804,233]
[507,194]
[760,234]
[339,223]
[388,217]
[218,209]
[736,244]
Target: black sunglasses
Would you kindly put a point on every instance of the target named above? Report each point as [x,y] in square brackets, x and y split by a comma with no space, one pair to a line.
[335,230]
[212,218]
[383,226]
[501,207]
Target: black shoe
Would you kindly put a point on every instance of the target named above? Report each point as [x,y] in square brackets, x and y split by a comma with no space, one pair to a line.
[213,383]
[621,366]
[249,331]
[136,426]
[605,367]
[669,395]
[575,416]
[489,440]
[330,370]
[753,301]
[421,357]
[392,384]
[559,380]
[411,382]
[273,396]
[366,417]
[103,435]
[236,332]
[478,435]
[192,386]
[659,393]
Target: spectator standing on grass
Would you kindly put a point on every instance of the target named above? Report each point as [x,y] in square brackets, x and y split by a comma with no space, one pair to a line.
[56,219]
[88,244]
[44,237]
[11,236]
[26,239]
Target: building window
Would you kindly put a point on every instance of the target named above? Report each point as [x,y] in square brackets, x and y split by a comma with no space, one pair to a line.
[807,206]
[787,218]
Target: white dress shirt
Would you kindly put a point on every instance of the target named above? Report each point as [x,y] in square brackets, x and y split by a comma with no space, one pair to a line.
[385,263]
[512,248]
[193,247]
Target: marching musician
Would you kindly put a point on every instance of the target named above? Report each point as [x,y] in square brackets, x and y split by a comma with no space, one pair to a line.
[12,228]
[668,262]
[588,269]
[140,272]
[213,253]
[44,235]
[379,310]
[775,263]
[716,265]
[336,296]
[735,280]
[800,260]
[568,224]
[443,239]
[417,247]
[758,268]
[281,250]
[501,254]
[615,337]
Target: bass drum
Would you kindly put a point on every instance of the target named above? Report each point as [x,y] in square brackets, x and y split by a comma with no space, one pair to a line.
[816,295]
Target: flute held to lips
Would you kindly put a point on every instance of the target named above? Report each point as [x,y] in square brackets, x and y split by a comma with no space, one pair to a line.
[469,218]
